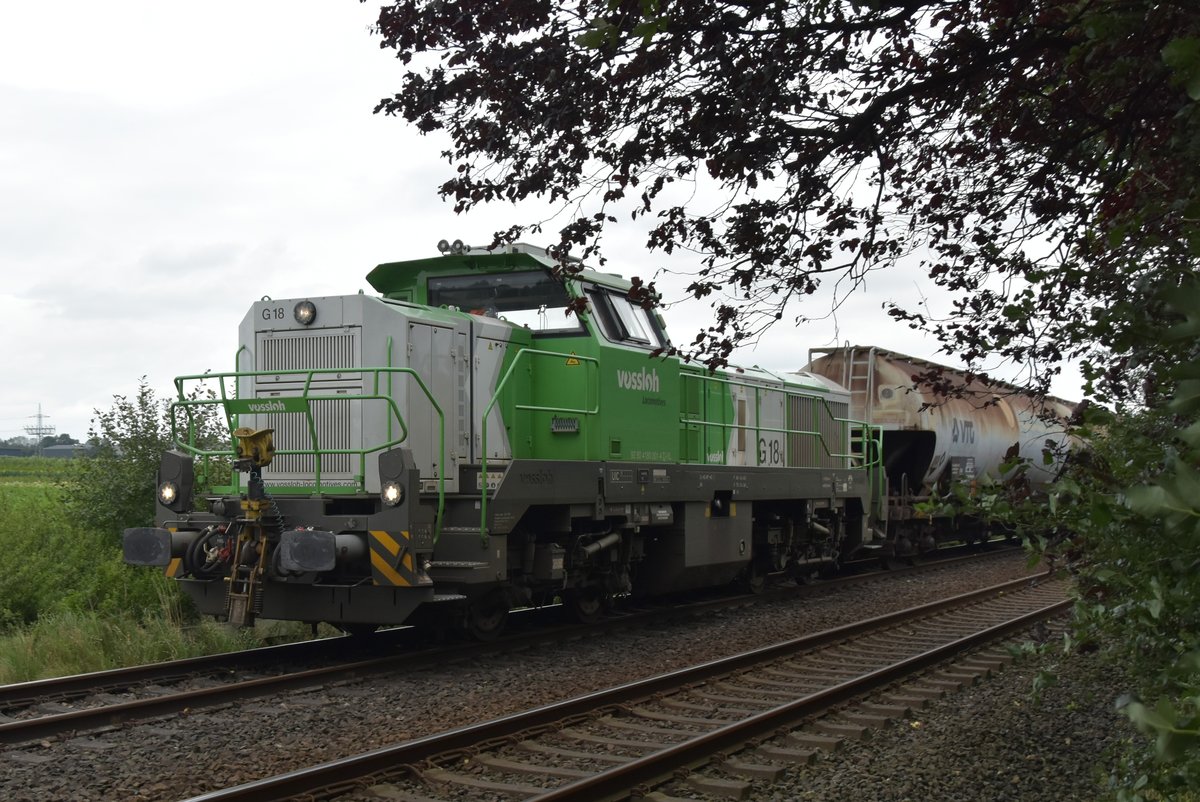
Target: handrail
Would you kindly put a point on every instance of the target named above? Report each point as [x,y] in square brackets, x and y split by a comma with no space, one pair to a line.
[703,379]
[487,411]
[306,397]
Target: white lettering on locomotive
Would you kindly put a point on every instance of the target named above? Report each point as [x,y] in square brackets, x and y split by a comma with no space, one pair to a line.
[646,380]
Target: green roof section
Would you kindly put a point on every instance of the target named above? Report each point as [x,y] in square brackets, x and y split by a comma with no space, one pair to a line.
[409,279]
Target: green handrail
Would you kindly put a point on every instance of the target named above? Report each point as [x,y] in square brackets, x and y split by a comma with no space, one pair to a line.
[306,397]
[487,411]
[820,438]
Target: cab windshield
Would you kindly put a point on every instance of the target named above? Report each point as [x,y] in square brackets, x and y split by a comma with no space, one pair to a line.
[532,299]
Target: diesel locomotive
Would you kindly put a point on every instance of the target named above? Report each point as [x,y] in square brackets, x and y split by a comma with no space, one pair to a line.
[460,444]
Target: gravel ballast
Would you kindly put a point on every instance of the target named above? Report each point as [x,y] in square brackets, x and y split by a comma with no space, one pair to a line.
[1001,744]
[991,741]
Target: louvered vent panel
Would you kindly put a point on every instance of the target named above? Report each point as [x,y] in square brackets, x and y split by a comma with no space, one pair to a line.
[333,419]
[307,353]
[802,449]
[834,433]
[808,414]
[333,423]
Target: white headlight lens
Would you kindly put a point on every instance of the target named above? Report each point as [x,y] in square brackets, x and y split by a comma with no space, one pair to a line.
[392,494]
[167,492]
[305,313]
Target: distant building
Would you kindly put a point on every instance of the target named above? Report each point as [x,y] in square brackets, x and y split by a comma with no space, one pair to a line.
[69,452]
[14,451]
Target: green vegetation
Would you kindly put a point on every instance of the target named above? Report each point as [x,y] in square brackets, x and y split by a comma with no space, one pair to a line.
[1125,521]
[68,603]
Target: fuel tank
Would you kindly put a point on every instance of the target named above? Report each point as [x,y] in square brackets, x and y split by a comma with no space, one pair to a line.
[930,440]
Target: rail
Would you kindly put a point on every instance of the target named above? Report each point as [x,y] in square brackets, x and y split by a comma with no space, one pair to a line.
[587,409]
[1022,607]
[301,403]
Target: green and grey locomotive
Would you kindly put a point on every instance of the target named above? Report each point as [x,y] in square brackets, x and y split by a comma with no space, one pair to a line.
[460,445]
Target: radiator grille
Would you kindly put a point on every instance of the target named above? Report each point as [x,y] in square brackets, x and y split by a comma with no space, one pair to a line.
[307,352]
[808,414]
[333,423]
[334,420]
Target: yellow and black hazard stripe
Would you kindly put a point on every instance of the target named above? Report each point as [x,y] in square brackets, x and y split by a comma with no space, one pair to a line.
[392,561]
[175,567]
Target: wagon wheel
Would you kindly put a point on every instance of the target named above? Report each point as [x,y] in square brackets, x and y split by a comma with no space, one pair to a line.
[486,617]
[586,604]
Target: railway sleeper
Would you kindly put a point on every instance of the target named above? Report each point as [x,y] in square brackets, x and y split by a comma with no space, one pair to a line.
[691,721]
[732,700]
[591,738]
[784,755]
[446,777]
[574,754]
[910,701]
[646,729]
[658,796]
[891,710]
[677,704]
[842,729]
[809,740]
[867,719]
[519,767]
[716,786]
[751,771]
[392,793]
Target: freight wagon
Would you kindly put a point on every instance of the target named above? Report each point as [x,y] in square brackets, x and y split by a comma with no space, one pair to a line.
[933,442]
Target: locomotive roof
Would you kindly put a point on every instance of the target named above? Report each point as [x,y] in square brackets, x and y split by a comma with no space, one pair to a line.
[396,278]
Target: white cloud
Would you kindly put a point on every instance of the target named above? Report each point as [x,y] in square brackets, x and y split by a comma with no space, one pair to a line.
[162,165]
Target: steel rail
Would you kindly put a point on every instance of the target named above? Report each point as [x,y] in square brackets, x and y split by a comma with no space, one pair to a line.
[75,686]
[619,783]
[347,770]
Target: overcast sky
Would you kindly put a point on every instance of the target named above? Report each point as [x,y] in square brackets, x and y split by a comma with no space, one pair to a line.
[163,165]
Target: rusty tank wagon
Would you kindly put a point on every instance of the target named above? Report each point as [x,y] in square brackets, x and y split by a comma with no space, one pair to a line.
[937,447]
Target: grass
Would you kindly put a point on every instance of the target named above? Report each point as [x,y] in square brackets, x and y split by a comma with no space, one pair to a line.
[81,642]
[69,604]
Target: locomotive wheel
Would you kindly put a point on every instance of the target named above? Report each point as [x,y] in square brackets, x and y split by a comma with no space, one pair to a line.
[755,580]
[586,605]
[486,617]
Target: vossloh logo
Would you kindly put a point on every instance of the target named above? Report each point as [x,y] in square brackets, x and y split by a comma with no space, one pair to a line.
[646,380]
[267,406]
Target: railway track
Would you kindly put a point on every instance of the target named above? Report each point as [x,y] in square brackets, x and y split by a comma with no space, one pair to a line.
[710,729]
[51,708]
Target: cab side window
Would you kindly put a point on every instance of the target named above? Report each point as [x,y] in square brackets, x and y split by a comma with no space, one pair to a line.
[623,321]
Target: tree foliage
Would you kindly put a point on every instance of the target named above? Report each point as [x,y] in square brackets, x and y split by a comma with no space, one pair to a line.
[1038,159]
[115,488]
[1125,521]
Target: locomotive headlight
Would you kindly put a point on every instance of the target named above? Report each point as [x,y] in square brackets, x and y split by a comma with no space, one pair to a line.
[176,477]
[392,493]
[305,313]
